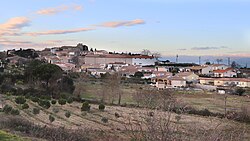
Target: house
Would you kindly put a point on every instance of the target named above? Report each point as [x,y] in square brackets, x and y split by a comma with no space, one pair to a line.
[148,70]
[206,81]
[204,70]
[218,66]
[228,72]
[176,82]
[143,60]
[244,82]
[97,71]
[188,76]
[161,73]
[128,71]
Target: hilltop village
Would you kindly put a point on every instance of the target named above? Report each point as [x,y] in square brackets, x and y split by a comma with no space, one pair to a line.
[161,74]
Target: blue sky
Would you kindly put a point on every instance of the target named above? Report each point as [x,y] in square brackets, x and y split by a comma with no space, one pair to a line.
[185,27]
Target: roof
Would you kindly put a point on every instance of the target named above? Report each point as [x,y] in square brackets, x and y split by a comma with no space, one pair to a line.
[177,78]
[234,79]
[206,78]
[222,71]
[197,67]
[119,56]
[183,74]
[216,65]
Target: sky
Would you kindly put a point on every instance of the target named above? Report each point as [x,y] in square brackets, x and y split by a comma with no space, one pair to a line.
[170,27]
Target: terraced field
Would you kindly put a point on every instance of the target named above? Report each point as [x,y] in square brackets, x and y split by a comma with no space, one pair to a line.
[120,120]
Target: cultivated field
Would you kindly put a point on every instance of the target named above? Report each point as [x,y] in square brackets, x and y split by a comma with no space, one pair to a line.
[121,121]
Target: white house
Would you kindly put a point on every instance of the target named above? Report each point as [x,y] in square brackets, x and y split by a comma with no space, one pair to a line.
[229,72]
[143,60]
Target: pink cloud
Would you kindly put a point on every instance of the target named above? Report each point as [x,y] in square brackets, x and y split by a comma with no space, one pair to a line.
[55,10]
[123,23]
[13,26]
[53,32]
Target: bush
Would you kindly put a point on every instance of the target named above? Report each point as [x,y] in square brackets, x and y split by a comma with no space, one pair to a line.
[105,120]
[62,101]
[15,112]
[67,114]
[240,91]
[85,106]
[44,103]
[7,109]
[101,107]
[34,99]
[117,115]
[51,118]
[25,106]
[70,100]
[55,110]
[53,101]
[20,100]
[36,111]
[45,97]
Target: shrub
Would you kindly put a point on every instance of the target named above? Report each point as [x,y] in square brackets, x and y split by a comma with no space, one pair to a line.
[7,109]
[27,96]
[15,112]
[51,118]
[70,100]
[117,115]
[25,106]
[105,120]
[34,99]
[67,114]
[55,110]
[53,101]
[62,101]
[20,100]
[44,103]
[45,97]
[101,107]
[36,111]
[85,106]
[240,91]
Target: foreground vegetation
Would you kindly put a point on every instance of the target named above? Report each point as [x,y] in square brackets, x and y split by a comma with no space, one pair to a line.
[4,136]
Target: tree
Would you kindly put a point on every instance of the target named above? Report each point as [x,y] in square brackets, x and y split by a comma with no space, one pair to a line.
[208,63]
[48,73]
[219,60]
[138,74]
[146,52]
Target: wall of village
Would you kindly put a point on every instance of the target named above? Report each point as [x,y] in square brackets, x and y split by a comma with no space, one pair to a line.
[143,61]
[99,60]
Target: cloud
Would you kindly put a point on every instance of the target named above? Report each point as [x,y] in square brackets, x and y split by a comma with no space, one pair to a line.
[55,10]
[54,32]
[13,26]
[122,23]
[10,44]
[208,48]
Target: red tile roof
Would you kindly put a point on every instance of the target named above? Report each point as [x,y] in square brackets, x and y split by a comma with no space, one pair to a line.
[222,71]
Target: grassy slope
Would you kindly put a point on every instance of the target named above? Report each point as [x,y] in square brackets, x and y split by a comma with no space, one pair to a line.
[4,136]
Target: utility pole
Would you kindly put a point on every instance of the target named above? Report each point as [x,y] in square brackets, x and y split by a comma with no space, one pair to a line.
[229,61]
[199,60]
[177,58]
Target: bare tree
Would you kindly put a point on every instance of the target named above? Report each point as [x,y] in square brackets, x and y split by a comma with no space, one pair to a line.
[219,60]
[146,52]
